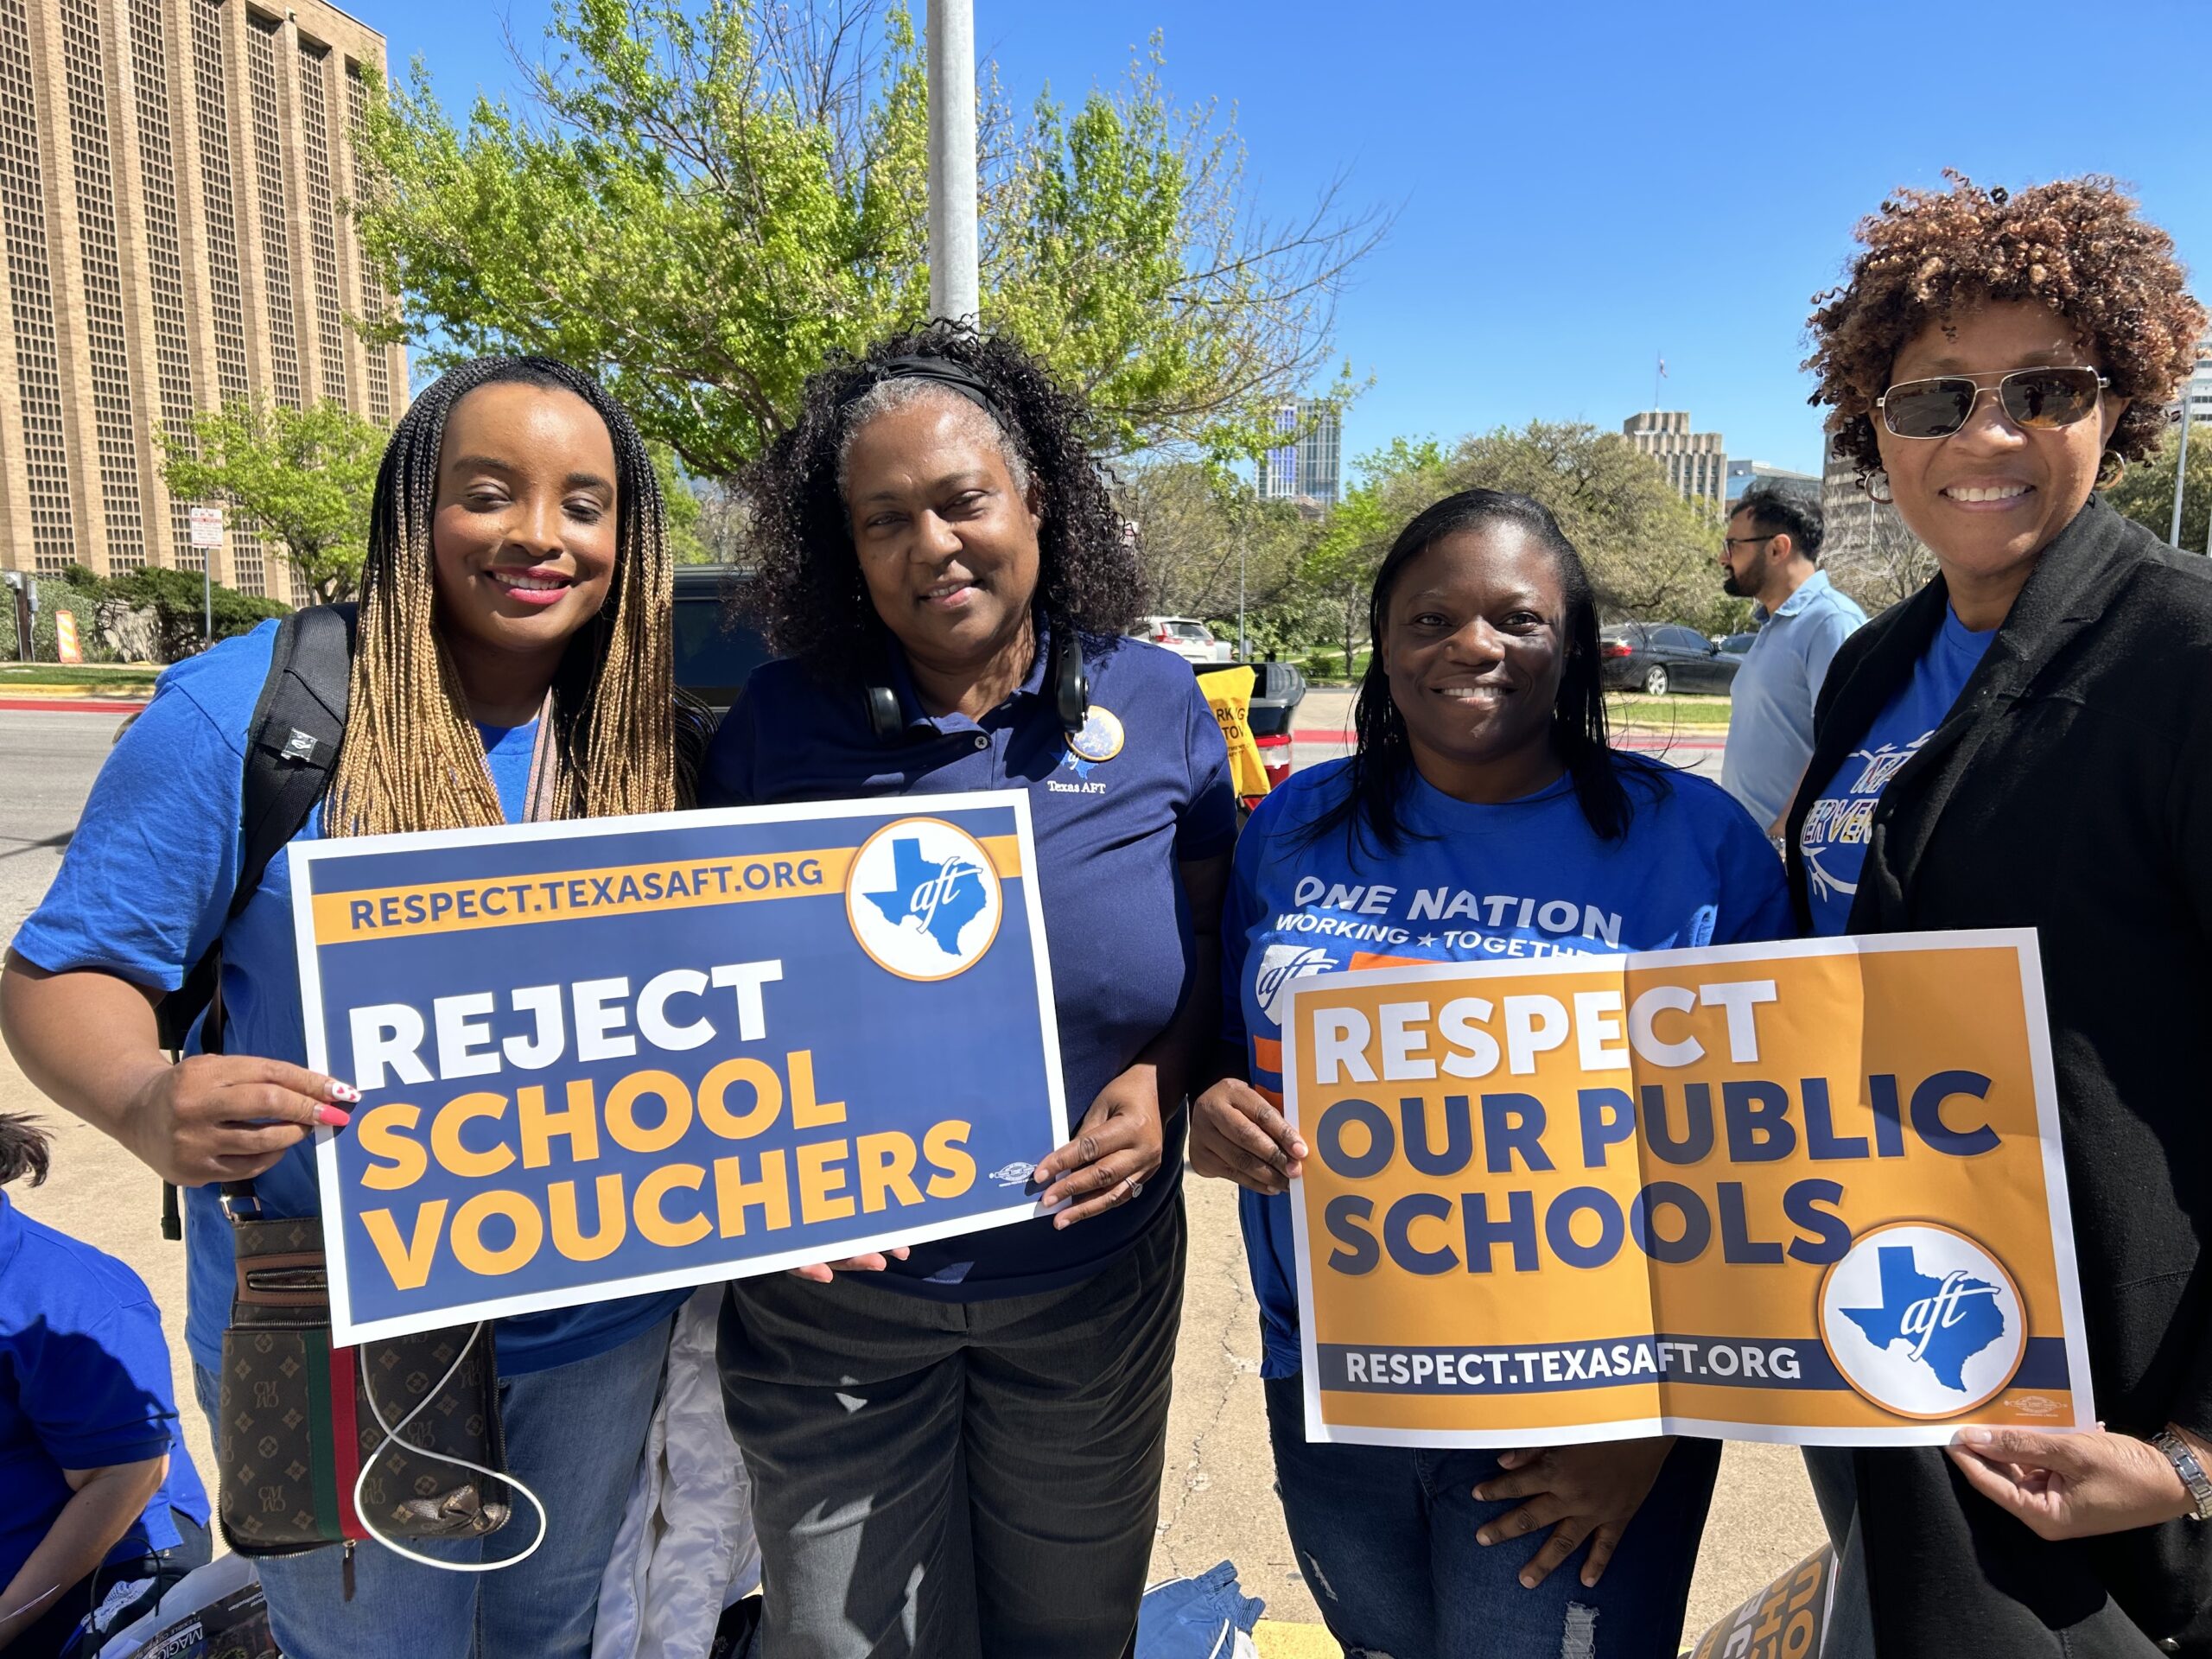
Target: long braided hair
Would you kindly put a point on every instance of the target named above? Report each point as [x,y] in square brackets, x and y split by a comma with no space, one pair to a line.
[620,743]
[1382,761]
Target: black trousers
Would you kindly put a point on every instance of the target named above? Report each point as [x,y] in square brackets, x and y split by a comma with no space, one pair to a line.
[947,1480]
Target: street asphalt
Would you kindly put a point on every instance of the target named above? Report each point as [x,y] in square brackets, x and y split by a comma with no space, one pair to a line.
[1217,1501]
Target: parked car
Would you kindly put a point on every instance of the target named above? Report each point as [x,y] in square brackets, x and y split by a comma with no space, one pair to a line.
[1186,636]
[714,652]
[1658,658]
[1738,645]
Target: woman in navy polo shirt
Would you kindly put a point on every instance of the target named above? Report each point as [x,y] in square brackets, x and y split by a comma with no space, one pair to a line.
[512,662]
[96,1488]
[1483,772]
[960,1451]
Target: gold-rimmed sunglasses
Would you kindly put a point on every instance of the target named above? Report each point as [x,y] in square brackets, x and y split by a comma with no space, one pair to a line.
[2037,399]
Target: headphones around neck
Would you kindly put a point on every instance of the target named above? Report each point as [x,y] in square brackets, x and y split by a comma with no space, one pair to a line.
[1064,669]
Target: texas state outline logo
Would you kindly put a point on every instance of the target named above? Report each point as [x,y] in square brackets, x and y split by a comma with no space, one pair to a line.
[1922,1320]
[924,899]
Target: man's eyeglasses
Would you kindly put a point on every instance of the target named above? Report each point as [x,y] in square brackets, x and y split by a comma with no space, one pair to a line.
[2038,400]
[1727,542]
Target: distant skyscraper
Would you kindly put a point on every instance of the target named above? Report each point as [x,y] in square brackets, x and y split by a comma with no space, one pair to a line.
[1696,463]
[1307,468]
[2197,391]
[1757,475]
[170,240]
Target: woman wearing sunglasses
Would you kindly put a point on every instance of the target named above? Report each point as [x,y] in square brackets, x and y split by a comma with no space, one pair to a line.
[2027,742]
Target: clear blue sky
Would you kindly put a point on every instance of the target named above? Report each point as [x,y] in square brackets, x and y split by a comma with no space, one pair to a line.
[1581,187]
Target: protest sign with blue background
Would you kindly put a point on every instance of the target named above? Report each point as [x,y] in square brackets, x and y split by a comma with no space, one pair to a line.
[606,1058]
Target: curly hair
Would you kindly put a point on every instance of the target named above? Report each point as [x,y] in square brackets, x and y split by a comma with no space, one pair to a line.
[806,587]
[2077,246]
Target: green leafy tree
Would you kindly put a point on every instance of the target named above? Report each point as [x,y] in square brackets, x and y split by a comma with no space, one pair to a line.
[1651,555]
[2145,490]
[702,197]
[683,511]
[1194,519]
[1338,573]
[305,477]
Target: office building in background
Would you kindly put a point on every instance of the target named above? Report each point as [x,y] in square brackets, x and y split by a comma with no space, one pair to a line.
[1746,475]
[170,179]
[1308,467]
[1696,463]
[2196,391]
[1865,544]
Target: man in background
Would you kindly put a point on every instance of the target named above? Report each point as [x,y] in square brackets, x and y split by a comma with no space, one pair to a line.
[1771,555]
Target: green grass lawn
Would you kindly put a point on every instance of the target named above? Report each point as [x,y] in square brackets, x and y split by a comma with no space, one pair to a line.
[107,677]
[1328,667]
[1667,713]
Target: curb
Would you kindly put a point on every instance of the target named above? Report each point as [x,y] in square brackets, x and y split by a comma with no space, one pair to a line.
[72,705]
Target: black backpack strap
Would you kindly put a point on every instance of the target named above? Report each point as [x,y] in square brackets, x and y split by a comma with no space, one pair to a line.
[292,747]
[291,750]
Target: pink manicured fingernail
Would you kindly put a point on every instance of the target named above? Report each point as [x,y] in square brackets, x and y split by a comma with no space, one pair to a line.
[331,1117]
[345,1092]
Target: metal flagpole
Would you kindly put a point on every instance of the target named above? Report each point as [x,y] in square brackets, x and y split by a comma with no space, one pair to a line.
[954,287]
[2181,462]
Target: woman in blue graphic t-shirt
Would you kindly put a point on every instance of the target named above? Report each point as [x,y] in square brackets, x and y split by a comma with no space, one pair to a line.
[512,662]
[1482,815]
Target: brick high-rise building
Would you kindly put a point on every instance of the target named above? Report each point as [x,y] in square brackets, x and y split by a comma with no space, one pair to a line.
[1696,463]
[170,234]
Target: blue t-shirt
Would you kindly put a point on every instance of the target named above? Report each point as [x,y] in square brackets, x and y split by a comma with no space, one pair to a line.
[1519,879]
[84,1384]
[145,888]
[1841,819]
[1148,791]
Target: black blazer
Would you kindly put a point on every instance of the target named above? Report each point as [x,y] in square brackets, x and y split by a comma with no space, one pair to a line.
[2069,790]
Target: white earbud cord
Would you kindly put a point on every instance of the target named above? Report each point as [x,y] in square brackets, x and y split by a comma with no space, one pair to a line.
[391,1439]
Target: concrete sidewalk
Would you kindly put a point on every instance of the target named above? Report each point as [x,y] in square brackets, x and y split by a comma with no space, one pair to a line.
[1218,1499]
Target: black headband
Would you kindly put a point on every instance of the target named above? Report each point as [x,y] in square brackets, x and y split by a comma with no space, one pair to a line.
[954,377]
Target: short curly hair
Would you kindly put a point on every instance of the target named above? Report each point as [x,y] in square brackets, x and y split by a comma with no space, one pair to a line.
[806,587]
[2078,245]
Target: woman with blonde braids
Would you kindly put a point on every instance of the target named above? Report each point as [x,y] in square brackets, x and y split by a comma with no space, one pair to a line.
[513,661]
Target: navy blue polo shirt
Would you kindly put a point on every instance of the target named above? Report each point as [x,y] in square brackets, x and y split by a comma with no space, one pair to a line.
[1109,835]
[84,1384]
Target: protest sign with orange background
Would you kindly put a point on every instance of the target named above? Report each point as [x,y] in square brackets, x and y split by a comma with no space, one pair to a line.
[1808,1193]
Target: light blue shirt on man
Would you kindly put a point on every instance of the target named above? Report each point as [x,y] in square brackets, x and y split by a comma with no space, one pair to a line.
[1771,726]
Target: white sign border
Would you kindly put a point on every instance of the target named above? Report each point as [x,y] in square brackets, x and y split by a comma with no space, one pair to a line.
[2021,941]
[304,855]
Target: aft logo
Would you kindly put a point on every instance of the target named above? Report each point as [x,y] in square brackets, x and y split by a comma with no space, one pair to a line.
[1922,1320]
[922,899]
[1278,965]
[1099,741]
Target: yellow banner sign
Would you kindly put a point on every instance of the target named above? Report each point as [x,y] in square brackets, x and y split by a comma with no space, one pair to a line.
[1788,1619]
[1808,1193]
[1229,694]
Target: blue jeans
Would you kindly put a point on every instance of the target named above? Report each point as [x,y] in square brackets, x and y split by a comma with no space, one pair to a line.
[1385,1535]
[574,1435]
